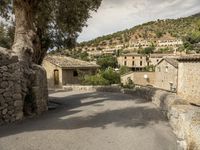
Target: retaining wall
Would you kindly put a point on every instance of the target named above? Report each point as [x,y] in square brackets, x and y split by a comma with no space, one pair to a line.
[184,118]
[14,78]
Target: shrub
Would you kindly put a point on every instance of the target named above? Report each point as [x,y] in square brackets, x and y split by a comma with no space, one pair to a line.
[123,70]
[129,84]
[112,76]
[94,80]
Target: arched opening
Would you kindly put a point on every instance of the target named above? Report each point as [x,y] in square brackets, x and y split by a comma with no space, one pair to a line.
[56,77]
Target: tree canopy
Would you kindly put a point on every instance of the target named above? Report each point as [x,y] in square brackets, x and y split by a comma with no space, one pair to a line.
[57,23]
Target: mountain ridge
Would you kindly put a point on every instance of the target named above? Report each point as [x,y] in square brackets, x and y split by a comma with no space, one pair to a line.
[178,28]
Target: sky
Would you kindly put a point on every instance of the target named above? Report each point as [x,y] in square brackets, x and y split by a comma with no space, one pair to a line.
[117,15]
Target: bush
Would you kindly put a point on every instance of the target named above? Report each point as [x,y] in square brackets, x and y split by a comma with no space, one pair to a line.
[107,77]
[112,76]
[129,85]
[94,80]
[123,70]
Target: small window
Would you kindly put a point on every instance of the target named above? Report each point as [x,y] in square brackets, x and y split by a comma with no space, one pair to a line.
[140,63]
[159,69]
[141,57]
[166,68]
[75,73]
[133,57]
[133,63]
[125,63]
[125,57]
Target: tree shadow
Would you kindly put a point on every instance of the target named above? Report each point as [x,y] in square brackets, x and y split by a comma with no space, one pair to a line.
[68,115]
[128,117]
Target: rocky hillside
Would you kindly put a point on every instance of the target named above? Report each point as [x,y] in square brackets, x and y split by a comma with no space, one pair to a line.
[178,28]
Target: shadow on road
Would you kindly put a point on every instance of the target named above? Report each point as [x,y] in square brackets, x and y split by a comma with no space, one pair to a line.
[65,118]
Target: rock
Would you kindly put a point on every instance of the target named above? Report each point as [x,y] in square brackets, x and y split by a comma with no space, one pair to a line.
[4,111]
[4,84]
[19,116]
[7,94]
[18,103]
[17,96]
[1,91]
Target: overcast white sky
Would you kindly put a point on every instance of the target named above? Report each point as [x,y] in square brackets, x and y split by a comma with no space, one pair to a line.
[116,15]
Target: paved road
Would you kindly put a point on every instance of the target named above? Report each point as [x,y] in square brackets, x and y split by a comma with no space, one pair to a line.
[92,121]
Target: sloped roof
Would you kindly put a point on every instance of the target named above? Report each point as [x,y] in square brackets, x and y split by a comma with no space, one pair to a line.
[172,61]
[195,58]
[133,54]
[68,62]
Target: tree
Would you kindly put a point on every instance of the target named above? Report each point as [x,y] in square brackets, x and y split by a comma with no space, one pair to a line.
[6,36]
[107,61]
[148,50]
[45,24]
[41,25]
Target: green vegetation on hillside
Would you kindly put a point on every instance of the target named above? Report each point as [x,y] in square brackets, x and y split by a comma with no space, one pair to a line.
[179,28]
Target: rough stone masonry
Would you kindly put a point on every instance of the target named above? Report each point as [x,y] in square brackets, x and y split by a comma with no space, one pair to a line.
[14,101]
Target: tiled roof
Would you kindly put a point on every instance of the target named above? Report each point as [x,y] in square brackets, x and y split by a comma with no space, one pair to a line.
[68,62]
[133,54]
[189,58]
[172,61]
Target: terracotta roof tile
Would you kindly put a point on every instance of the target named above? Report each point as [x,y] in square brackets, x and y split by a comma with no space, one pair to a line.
[68,62]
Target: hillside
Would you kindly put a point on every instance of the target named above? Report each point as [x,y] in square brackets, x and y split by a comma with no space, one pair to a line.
[169,28]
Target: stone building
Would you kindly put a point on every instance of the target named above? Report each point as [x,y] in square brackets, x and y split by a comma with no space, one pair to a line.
[189,79]
[169,42]
[166,74]
[136,44]
[63,70]
[139,78]
[136,62]
[155,58]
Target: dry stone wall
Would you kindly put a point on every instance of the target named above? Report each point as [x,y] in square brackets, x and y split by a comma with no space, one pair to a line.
[183,118]
[14,77]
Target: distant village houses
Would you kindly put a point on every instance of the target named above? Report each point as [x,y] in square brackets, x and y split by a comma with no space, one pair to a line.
[134,61]
[179,75]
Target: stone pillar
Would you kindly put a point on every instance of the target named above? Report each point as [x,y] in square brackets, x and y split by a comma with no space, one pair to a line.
[39,89]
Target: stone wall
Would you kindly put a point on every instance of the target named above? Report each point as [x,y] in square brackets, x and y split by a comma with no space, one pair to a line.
[91,88]
[183,118]
[189,81]
[14,78]
[138,78]
[11,105]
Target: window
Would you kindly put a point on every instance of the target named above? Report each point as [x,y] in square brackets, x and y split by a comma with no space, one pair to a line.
[56,77]
[140,63]
[125,57]
[159,69]
[166,68]
[133,63]
[75,73]
[125,63]
[141,57]
[133,57]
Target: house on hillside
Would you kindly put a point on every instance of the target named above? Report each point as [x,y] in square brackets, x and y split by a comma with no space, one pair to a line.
[166,74]
[134,61]
[155,58]
[63,70]
[169,42]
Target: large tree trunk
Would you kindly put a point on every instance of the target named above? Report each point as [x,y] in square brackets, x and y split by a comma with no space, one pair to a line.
[25,42]
[24,30]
